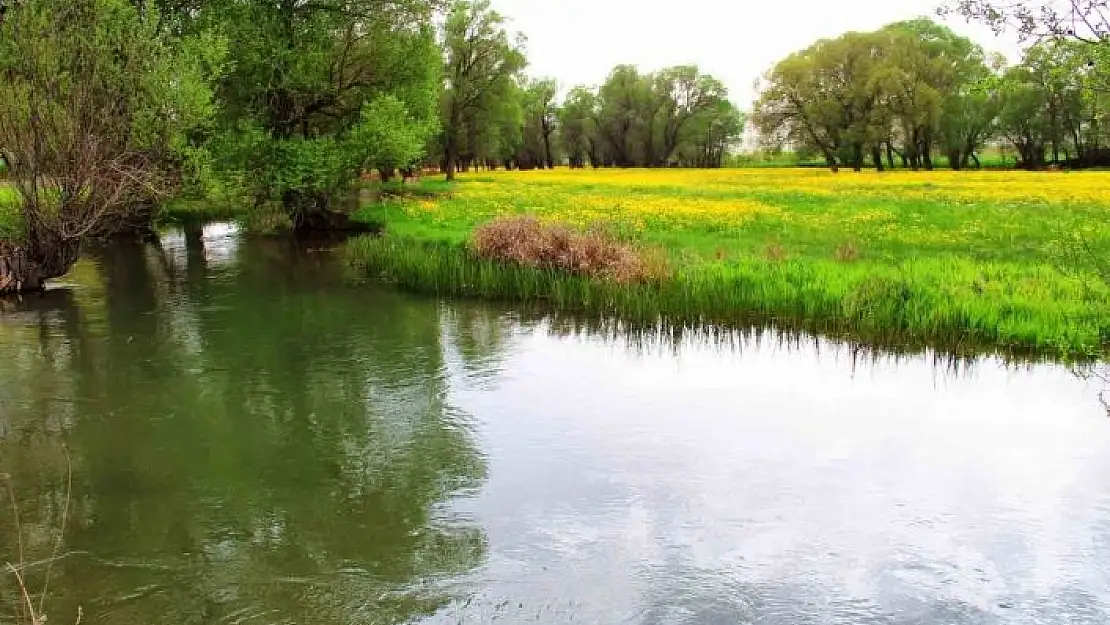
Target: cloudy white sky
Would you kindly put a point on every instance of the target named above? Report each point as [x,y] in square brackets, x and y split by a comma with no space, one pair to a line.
[579,41]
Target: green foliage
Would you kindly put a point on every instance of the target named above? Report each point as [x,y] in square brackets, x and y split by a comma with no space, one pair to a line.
[388,136]
[482,64]
[99,112]
[320,166]
[869,95]
[318,91]
[915,86]
[11,227]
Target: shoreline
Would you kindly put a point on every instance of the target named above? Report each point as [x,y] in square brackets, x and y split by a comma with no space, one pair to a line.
[883,309]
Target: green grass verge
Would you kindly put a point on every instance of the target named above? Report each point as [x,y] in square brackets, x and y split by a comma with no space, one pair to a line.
[956,305]
[182,211]
[11,223]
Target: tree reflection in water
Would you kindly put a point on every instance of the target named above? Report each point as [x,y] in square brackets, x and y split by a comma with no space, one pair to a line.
[244,445]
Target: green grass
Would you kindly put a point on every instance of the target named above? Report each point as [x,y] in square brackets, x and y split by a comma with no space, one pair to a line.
[955,305]
[182,211]
[11,224]
[949,259]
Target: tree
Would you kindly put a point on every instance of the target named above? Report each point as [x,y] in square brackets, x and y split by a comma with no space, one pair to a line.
[540,116]
[968,118]
[903,89]
[303,77]
[95,108]
[388,137]
[684,94]
[827,97]
[926,64]
[708,136]
[578,135]
[622,116]
[481,63]
[1085,20]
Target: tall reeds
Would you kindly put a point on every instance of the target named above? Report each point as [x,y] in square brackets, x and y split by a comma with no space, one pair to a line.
[946,301]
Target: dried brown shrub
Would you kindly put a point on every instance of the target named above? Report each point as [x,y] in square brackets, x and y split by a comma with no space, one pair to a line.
[847,253]
[525,240]
[775,252]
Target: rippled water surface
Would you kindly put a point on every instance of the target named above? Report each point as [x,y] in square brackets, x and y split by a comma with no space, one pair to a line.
[255,440]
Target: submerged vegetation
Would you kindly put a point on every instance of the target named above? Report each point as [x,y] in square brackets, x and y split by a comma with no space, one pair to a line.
[982,258]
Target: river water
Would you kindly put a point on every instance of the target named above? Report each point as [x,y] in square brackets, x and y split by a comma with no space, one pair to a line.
[254,439]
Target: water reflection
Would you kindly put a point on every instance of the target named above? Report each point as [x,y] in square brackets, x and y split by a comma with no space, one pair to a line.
[241,448]
[256,440]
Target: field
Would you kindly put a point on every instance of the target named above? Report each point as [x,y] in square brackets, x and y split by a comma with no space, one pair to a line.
[1006,260]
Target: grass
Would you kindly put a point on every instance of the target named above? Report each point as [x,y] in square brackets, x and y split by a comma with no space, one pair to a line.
[271,219]
[183,211]
[953,258]
[10,222]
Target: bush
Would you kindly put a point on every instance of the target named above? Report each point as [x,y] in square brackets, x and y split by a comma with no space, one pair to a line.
[524,240]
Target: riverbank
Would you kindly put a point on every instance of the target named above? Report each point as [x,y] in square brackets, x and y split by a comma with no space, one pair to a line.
[950,258]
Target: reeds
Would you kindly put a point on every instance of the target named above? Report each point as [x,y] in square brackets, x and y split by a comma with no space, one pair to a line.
[945,301]
[525,241]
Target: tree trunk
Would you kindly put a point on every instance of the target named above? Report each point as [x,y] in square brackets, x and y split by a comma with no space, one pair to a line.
[547,149]
[857,157]
[890,155]
[955,160]
[451,143]
[27,268]
[877,156]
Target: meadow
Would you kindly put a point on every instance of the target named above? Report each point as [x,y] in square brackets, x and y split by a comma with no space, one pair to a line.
[1004,260]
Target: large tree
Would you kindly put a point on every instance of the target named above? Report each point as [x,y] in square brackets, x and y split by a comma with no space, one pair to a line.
[578,134]
[827,98]
[306,76]
[684,95]
[903,89]
[540,117]
[482,62]
[96,108]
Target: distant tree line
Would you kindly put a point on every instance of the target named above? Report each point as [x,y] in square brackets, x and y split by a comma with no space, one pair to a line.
[904,94]
[493,115]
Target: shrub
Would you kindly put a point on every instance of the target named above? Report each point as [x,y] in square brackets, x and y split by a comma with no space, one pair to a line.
[526,241]
[774,252]
[847,253]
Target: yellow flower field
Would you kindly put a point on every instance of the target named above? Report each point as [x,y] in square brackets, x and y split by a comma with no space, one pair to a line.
[1018,216]
[1010,258]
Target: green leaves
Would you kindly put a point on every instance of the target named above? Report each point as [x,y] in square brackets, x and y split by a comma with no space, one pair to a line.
[482,63]
[388,136]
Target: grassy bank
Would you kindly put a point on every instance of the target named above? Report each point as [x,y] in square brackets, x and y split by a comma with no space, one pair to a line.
[951,258]
[10,223]
[178,212]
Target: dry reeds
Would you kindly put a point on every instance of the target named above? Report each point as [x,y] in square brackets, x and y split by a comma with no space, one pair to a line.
[526,241]
[847,253]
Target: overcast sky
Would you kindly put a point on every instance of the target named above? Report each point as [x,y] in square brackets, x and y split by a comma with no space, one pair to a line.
[579,41]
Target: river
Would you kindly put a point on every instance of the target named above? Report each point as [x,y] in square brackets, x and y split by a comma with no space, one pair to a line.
[235,433]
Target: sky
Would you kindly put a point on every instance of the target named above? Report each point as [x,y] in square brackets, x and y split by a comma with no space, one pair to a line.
[579,41]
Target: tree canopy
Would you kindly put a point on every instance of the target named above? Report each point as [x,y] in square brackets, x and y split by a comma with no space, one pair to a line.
[915,87]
